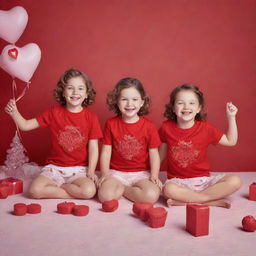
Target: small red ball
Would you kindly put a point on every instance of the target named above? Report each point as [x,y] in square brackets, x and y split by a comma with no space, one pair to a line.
[249,223]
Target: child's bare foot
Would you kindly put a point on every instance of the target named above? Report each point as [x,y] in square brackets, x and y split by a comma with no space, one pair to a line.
[171,202]
[221,203]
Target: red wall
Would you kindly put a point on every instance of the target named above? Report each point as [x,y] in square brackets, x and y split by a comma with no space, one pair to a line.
[211,44]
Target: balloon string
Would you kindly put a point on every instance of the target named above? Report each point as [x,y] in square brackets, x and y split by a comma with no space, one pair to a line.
[23,92]
[14,90]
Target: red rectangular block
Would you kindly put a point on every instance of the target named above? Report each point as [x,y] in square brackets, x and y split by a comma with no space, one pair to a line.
[252,192]
[15,185]
[197,219]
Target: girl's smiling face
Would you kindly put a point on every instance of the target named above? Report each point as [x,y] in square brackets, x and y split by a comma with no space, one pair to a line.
[129,103]
[75,92]
[186,107]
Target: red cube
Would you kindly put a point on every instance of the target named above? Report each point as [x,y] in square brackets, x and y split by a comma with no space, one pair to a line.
[15,185]
[4,191]
[110,206]
[197,219]
[157,217]
[252,192]
[140,209]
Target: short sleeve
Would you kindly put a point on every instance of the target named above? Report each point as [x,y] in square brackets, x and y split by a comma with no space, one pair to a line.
[95,132]
[162,134]
[107,138]
[154,140]
[44,119]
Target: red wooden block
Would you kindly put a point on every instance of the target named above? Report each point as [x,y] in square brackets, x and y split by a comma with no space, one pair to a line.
[65,208]
[252,192]
[140,209]
[110,206]
[19,209]
[15,185]
[4,191]
[80,210]
[33,208]
[197,219]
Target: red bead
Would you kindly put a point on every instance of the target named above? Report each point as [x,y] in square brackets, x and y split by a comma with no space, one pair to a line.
[33,208]
[157,217]
[249,223]
[197,219]
[140,209]
[19,209]
[110,206]
[80,210]
[65,208]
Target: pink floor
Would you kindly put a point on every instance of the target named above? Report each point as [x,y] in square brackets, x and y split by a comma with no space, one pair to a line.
[120,233]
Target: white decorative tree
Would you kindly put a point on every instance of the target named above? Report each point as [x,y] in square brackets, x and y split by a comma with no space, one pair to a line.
[15,158]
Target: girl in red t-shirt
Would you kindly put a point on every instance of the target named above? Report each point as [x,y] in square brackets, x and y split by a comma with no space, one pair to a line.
[75,130]
[186,137]
[129,158]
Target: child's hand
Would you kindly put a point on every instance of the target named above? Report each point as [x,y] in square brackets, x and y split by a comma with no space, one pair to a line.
[93,177]
[11,107]
[231,110]
[156,181]
[101,179]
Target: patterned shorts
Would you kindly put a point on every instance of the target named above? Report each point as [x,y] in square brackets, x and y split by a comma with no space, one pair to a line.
[61,175]
[129,178]
[198,183]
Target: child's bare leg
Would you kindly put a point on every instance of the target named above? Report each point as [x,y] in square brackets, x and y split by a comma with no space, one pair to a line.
[42,187]
[82,188]
[143,191]
[110,189]
[220,202]
[225,187]
[183,194]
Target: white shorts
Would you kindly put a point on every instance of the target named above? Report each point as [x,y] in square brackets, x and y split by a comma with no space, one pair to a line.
[61,175]
[129,178]
[198,183]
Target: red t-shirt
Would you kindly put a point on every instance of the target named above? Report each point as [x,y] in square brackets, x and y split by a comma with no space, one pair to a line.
[70,133]
[130,143]
[187,148]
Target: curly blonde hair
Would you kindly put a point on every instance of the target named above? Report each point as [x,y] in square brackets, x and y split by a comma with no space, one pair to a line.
[169,113]
[70,73]
[113,96]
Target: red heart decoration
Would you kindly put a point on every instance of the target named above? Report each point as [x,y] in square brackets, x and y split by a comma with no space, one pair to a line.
[13,53]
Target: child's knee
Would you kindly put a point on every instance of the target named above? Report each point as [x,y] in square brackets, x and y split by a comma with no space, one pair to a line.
[88,192]
[35,192]
[169,190]
[234,181]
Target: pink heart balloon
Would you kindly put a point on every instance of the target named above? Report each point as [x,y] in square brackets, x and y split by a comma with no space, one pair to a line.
[13,23]
[24,66]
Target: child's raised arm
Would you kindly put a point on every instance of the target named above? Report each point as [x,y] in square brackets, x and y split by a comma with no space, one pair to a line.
[230,138]
[23,124]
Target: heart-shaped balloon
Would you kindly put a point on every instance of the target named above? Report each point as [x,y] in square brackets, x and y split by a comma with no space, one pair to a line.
[24,66]
[13,23]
